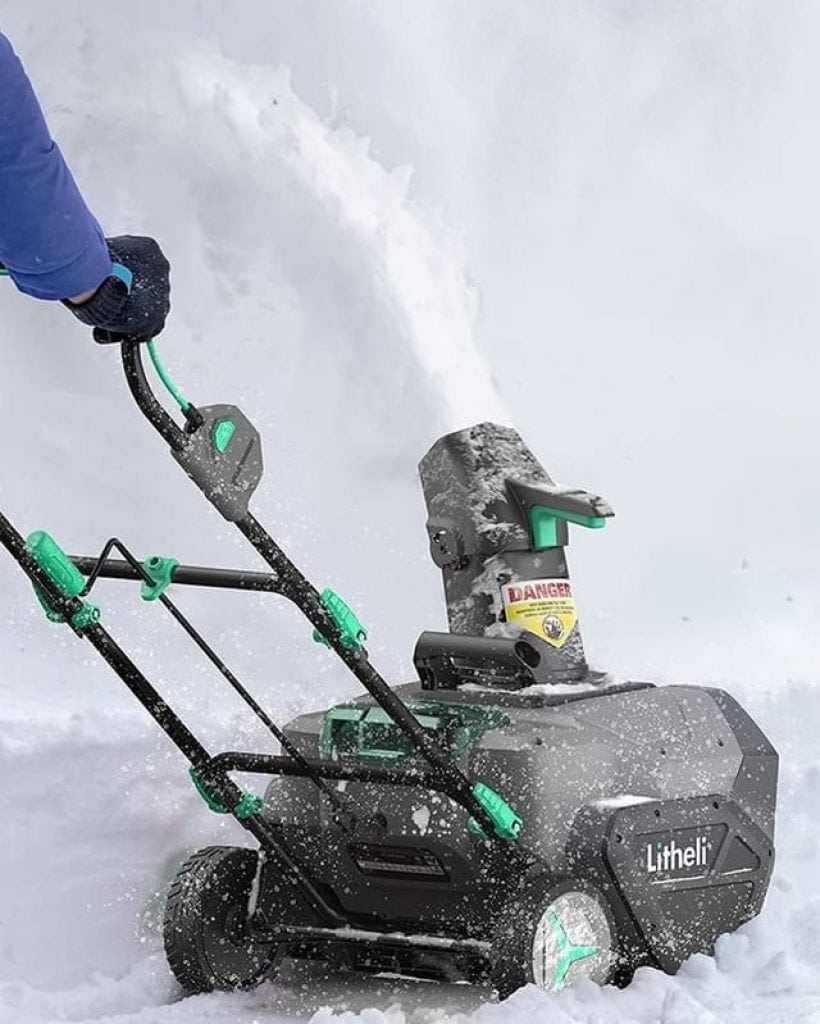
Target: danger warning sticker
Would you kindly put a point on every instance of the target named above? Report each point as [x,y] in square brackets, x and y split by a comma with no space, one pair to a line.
[544,607]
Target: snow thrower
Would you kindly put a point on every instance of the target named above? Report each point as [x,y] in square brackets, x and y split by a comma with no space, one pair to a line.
[511,817]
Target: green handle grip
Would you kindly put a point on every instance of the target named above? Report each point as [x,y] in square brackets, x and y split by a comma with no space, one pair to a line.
[68,579]
[53,560]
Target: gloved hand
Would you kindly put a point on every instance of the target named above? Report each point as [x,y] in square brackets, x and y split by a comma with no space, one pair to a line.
[133,303]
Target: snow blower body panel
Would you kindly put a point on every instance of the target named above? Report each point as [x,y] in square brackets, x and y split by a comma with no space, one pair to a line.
[661,797]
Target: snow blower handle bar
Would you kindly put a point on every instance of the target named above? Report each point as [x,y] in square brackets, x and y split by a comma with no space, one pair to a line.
[51,573]
[221,451]
[184,575]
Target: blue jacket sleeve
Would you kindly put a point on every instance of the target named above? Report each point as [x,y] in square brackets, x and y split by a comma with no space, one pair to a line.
[50,242]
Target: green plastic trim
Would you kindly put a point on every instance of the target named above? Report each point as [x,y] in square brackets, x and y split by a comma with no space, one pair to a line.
[161,570]
[87,616]
[506,822]
[165,377]
[247,806]
[68,579]
[352,632]
[213,804]
[568,952]
[366,732]
[223,435]
[53,560]
[544,525]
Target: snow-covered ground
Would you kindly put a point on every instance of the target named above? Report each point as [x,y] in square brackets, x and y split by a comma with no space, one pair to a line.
[608,237]
[100,814]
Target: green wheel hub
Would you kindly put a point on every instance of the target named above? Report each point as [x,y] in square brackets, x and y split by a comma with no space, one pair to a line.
[572,939]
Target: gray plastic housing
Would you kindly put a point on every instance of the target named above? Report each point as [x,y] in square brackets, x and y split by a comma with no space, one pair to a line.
[480,485]
[227,469]
[598,777]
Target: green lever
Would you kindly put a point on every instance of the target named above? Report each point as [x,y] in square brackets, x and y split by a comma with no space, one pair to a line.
[547,509]
[165,377]
[544,525]
[68,579]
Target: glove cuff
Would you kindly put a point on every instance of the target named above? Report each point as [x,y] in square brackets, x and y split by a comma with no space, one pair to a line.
[104,306]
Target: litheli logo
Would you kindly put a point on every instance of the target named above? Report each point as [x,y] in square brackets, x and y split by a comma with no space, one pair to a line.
[662,856]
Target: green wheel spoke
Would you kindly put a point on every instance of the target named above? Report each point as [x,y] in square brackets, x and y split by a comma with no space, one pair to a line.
[568,952]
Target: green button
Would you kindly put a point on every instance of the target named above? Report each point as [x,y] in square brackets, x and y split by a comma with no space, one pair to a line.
[223,433]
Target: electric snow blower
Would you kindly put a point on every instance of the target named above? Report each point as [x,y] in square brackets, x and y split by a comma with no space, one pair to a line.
[512,817]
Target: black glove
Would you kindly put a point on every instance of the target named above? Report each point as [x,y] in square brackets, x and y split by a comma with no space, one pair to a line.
[133,303]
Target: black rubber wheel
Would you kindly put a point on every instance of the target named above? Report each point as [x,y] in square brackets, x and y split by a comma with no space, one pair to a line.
[551,934]
[205,924]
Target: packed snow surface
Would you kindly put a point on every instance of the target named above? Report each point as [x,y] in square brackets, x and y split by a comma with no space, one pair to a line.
[596,221]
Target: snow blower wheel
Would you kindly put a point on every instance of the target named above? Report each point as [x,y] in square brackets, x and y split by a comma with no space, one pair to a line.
[552,935]
[407,831]
[205,929]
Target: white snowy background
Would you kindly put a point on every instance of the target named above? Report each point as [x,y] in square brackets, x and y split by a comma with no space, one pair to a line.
[388,219]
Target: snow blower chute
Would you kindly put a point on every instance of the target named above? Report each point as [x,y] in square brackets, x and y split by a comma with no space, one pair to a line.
[510,817]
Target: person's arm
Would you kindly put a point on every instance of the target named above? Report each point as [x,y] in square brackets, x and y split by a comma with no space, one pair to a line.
[49,241]
[52,245]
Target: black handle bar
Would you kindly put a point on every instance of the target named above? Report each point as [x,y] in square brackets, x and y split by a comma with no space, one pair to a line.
[297,588]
